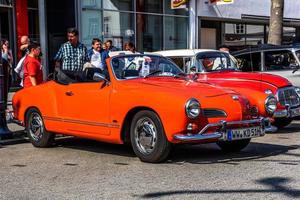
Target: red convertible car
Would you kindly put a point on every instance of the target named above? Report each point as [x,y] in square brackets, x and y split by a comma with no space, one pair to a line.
[220,68]
[144,100]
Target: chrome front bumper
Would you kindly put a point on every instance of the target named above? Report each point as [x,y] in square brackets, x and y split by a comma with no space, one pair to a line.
[288,112]
[221,134]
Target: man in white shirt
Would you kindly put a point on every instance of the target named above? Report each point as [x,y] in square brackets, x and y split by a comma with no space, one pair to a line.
[97,54]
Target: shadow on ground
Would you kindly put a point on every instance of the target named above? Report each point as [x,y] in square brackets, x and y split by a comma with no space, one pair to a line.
[95,146]
[194,154]
[275,185]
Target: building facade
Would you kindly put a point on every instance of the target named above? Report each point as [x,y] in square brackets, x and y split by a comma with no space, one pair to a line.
[243,23]
[150,24]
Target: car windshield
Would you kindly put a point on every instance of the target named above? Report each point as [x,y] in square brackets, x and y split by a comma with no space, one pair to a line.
[215,61]
[135,66]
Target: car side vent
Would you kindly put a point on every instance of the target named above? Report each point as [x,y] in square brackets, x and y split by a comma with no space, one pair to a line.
[213,113]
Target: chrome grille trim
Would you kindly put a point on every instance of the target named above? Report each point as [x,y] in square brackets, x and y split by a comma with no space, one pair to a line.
[288,96]
[211,113]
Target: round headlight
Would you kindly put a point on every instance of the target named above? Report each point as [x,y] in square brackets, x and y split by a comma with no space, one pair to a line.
[192,108]
[268,91]
[297,89]
[271,104]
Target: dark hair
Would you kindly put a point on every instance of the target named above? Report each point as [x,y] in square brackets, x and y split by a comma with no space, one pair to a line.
[110,41]
[96,40]
[73,31]
[33,45]
[130,45]
[3,42]
[223,46]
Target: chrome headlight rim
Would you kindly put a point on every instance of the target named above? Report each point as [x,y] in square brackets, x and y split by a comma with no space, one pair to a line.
[271,104]
[192,108]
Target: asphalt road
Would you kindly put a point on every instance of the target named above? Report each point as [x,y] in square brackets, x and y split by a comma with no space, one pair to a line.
[269,168]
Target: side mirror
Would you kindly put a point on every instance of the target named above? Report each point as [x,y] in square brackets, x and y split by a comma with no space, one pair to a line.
[97,77]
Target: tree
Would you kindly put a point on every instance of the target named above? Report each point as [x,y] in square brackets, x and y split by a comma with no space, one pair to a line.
[276,19]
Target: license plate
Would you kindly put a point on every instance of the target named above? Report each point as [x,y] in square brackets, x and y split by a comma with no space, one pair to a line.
[295,112]
[244,133]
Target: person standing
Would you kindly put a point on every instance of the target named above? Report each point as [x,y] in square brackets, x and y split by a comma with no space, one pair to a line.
[8,59]
[110,47]
[33,73]
[25,41]
[129,46]
[72,55]
[97,55]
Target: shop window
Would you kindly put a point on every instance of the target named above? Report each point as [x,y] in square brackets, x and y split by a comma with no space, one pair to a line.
[125,5]
[175,32]
[91,21]
[240,28]
[119,27]
[255,35]
[33,20]
[6,2]
[149,32]
[235,40]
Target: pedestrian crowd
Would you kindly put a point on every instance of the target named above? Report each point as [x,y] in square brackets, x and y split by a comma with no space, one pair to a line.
[72,57]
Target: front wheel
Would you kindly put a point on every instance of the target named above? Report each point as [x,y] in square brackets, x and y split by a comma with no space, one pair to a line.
[36,130]
[282,122]
[148,138]
[233,146]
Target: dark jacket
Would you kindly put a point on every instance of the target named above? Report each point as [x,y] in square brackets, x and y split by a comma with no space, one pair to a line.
[104,55]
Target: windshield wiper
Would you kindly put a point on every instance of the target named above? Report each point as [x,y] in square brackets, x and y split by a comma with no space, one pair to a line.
[152,73]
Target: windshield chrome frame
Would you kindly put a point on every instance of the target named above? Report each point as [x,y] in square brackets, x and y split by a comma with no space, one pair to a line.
[139,55]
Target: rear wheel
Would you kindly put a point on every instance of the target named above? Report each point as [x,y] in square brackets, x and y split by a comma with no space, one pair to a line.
[233,146]
[282,122]
[148,138]
[36,130]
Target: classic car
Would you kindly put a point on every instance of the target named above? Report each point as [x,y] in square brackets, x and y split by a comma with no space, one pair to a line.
[220,68]
[279,60]
[143,100]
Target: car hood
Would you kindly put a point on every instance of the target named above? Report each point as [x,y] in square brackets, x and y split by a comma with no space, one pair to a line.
[157,84]
[274,80]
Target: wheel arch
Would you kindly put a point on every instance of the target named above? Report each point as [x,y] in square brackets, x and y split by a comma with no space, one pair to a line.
[125,129]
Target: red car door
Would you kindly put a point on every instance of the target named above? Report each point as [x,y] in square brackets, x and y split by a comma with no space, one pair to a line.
[84,108]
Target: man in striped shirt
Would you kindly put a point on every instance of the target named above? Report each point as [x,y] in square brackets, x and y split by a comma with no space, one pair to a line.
[72,55]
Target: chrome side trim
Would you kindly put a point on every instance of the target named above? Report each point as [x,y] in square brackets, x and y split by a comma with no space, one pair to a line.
[81,122]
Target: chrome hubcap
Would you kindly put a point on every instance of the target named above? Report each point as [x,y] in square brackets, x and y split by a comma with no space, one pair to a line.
[145,135]
[36,127]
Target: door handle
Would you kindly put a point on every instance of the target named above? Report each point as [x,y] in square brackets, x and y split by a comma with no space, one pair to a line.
[69,93]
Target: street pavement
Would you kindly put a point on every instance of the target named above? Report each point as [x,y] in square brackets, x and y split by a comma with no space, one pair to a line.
[82,169]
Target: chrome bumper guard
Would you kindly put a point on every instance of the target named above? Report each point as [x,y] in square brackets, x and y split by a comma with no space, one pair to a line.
[221,135]
[287,112]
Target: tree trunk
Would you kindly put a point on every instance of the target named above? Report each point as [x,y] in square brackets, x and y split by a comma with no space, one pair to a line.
[276,19]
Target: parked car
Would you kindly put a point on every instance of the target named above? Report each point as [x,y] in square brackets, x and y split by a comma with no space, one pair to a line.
[220,68]
[144,100]
[279,60]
